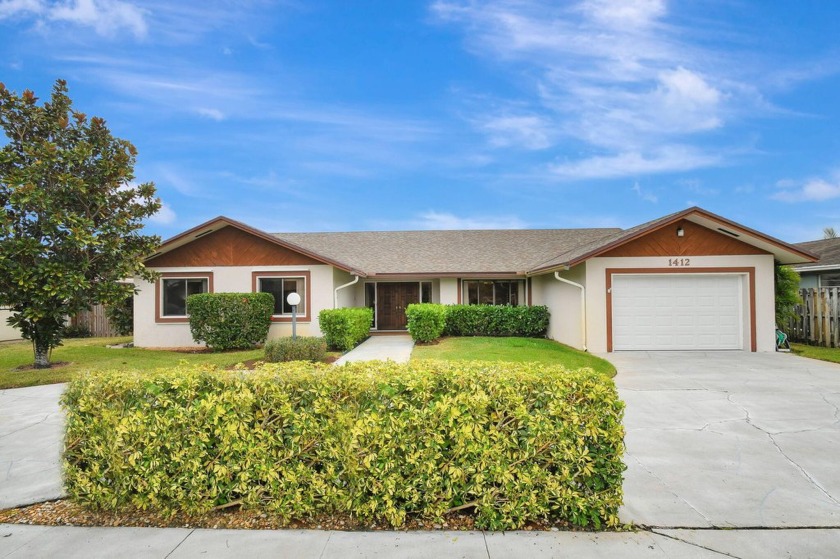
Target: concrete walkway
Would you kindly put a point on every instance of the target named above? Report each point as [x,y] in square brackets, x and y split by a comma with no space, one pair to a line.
[179,543]
[31,429]
[395,347]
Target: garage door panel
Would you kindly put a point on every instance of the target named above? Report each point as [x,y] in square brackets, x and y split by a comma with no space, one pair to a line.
[677,311]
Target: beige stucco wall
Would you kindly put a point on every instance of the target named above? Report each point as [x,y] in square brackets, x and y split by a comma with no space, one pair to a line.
[348,296]
[448,291]
[596,300]
[563,302]
[6,331]
[148,333]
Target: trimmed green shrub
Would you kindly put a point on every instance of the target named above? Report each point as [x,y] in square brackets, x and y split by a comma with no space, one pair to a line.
[426,321]
[496,320]
[344,329]
[509,443]
[297,349]
[230,320]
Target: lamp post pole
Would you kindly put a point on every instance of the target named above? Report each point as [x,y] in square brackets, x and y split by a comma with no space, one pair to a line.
[294,300]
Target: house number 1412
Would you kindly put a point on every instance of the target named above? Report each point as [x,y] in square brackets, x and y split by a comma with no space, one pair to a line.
[679,261]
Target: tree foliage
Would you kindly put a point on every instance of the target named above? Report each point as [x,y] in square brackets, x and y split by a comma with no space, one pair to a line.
[787,293]
[71,225]
[829,233]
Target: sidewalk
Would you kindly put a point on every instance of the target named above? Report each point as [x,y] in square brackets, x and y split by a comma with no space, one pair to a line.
[381,348]
[177,543]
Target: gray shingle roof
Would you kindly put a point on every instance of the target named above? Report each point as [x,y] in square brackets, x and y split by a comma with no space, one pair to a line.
[827,249]
[441,252]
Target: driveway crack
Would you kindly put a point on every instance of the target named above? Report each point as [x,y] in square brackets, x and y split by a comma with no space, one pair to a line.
[674,493]
[675,538]
[792,462]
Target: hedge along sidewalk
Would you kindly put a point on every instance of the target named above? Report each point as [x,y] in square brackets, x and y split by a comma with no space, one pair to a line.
[511,443]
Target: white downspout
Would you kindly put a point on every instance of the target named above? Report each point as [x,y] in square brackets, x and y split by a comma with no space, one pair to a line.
[582,305]
[340,287]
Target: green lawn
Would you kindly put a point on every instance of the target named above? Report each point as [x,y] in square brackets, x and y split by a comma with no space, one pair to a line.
[815,352]
[511,349]
[91,353]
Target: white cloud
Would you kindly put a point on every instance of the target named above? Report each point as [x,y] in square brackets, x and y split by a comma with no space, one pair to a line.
[614,75]
[107,17]
[164,216]
[448,221]
[530,132]
[645,195]
[214,114]
[813,190]
[665,160]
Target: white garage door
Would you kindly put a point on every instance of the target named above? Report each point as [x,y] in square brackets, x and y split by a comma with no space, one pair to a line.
[677,311]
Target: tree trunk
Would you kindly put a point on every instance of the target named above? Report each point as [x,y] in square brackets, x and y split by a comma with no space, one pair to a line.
[42,352]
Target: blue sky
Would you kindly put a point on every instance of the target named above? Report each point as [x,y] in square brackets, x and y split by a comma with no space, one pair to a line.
[317,115]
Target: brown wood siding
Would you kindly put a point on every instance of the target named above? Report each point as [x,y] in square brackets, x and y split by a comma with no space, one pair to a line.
[230,247]
[697,241]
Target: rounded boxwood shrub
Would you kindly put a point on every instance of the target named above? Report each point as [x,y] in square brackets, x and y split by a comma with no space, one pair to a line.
[426,321]
[295,349]
[344,329]
[230,320]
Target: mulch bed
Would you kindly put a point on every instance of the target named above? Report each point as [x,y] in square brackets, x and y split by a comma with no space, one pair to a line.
[53,365]
[66,513]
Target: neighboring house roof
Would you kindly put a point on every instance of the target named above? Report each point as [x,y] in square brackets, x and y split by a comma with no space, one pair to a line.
[481,252]
[509,251]
[828,251]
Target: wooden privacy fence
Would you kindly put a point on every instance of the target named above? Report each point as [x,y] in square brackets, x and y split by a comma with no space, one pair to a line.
[96,321]
[816,320]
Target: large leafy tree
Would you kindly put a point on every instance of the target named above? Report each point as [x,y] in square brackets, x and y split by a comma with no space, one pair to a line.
[72,219]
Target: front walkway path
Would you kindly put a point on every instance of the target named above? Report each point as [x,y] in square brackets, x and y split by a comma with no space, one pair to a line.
[31,429]
[381,348]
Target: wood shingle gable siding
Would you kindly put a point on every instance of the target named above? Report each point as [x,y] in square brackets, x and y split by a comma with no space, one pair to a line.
[696,241]
[230,246]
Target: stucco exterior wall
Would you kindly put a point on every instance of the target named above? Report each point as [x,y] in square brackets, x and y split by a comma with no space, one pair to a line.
[596,299]
[7,332]
[349,296]
[563,302]
[148,333]
[448,291]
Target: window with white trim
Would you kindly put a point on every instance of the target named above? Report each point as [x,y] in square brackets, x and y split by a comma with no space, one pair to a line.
[280,287]
[492,292]
[176,291]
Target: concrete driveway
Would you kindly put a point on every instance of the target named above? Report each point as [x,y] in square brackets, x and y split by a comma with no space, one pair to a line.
[730,439]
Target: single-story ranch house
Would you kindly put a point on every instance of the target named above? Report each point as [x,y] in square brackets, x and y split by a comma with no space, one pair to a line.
[689,280]
[826,272]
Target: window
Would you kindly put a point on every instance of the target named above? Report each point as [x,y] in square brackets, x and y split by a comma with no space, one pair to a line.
[426,292]
[280,287]
[830,280]
[176,291]
[497,292]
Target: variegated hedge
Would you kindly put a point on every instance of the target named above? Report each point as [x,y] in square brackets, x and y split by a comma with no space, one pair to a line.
[511,442]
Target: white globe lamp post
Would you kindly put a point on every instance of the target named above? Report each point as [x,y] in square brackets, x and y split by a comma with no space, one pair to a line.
[294,300]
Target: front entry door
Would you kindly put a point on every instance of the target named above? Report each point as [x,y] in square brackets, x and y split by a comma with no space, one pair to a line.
[391,302]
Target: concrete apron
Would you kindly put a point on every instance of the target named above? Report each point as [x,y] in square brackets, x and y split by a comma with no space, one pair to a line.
[730,439]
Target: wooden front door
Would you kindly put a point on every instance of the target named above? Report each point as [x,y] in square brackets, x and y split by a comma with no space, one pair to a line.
[391,301]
